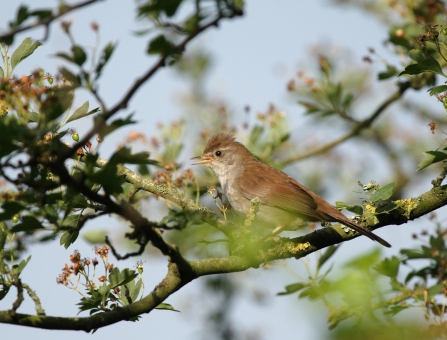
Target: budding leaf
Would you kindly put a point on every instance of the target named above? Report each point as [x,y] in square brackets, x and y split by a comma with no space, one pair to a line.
[383,193]
[29,223]
[166,306]
[295,287]
[26,48]
[82,112]
[427,65]
[432,157]
[437,89]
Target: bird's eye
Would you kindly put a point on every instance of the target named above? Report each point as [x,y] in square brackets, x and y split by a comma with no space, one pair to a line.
[218,153]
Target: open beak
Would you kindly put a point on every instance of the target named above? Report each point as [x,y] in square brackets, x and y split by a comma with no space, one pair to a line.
[204,160]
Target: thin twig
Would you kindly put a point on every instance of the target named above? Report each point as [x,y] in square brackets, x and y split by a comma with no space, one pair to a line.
[438,181]
[356,129]
[123,257]
[47,21]
[122,104]
[32,294]
[131,192]
[16,304]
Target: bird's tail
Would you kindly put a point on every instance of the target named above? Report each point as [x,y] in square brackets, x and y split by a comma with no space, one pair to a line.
[364,231]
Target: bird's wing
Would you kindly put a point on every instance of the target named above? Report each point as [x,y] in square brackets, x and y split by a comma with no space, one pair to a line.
[279,191]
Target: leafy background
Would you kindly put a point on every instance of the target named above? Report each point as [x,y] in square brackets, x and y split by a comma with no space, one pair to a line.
[253,58]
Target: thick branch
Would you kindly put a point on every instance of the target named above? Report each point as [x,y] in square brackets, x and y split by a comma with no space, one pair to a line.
[259,253]
[409,209]
[171,283]
[124,210]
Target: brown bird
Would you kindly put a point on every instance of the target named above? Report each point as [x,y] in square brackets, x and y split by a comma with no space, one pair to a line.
[284,201]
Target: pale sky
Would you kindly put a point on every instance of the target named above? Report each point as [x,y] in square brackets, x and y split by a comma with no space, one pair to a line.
[254,57]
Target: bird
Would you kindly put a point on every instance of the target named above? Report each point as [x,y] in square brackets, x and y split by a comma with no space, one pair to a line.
[284,200]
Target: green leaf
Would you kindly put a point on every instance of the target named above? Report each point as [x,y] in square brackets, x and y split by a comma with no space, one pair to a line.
[143,169]
[104,292]
[29,223]
[79,56]
[25,49]
[161,45]
[105,56]
[437,89]
[18,268]
[82,112]
[56,104]
[385,209]
[124,156]
[117,278]
[78,201]
[193,22]
[391,71]
[154,7]
[2,73]
[364,261]
[356,209]
[166,306]
[4,291]
[437,242]
[135,291]
[310,107]
[10,208]
[108,178]
[428,65]
[383,193]
[388,267]
[432,158]
[295,287]
[114,125]
[71,77]
[129,293]
[172,151]
[42,13]
[256,133]
[71,221]
[326,255]
[65,56]
[413,254]
[416,55]
[3,234]
[88,303]
[95,236]
[239,4]
[68,238]
[33,117]
[50,213]
[393,310]
[22,14]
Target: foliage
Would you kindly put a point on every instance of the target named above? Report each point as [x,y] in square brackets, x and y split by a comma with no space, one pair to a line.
[119,288]
[55,189]
[384,287]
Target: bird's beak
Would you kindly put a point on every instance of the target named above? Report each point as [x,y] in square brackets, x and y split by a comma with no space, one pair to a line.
[204,160]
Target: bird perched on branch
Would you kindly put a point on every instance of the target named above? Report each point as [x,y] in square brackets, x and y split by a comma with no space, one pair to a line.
[283,200]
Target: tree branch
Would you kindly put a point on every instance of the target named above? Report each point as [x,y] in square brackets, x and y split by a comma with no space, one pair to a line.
[356,129]
[122,104]
[171,283]
[47,21]
[272,249]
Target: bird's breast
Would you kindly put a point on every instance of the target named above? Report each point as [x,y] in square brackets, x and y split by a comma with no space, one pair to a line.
[229,185]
